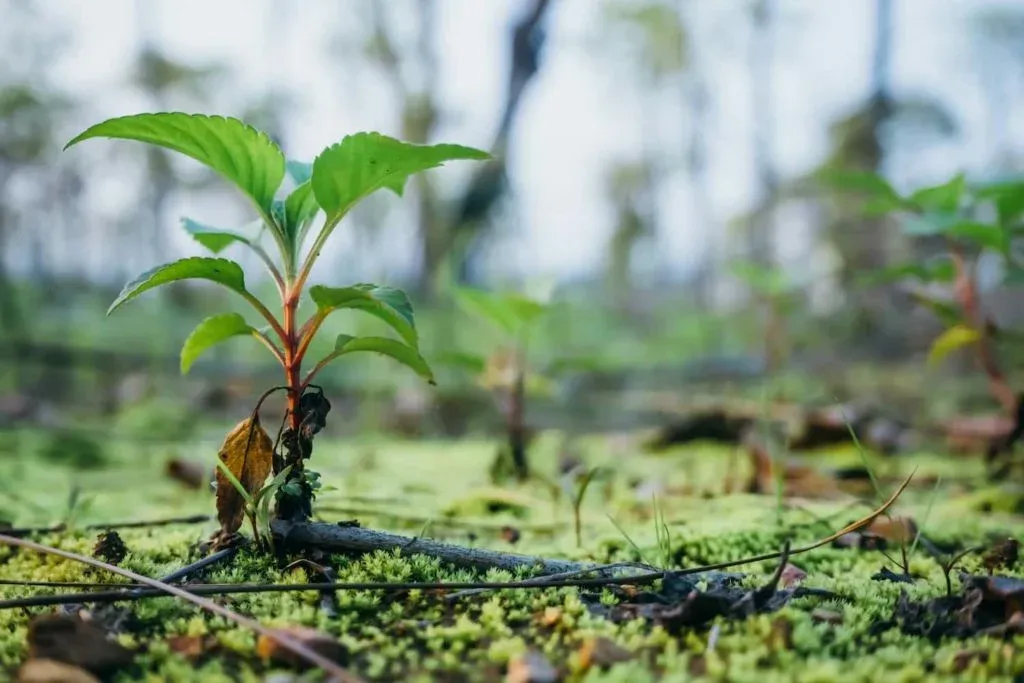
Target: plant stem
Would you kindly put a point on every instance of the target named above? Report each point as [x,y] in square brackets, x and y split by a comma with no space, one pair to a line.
[268,316]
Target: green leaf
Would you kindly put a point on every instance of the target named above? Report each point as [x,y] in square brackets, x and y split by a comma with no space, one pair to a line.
[946,312]
[300,208]
[983,234]
[403,353]
[240,153]
[219,270]
[215,239]
[389,304]
[509,311]
[866,182]
[770,281]
[470,362]
[1008,198]
[211,332]
[936,270]
[362,163]
[944,198]
[954,338]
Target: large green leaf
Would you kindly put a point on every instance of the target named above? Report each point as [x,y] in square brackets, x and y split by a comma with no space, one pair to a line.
[216,239]
[221,271]
[509,311]
[934,270]
[403,353]
[362,163]
[240,153]
[211,332]
[389,304]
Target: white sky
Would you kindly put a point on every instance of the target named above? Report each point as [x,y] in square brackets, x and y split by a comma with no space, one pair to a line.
[578,116]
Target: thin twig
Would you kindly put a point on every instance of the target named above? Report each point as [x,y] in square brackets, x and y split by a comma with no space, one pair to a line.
[57,528]
[284,639]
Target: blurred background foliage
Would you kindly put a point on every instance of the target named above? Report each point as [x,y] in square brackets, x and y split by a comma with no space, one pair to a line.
[657,167]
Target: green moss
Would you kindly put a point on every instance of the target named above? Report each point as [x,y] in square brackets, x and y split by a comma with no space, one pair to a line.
[417,636]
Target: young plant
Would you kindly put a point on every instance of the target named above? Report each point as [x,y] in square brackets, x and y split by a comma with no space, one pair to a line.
[969,221]
[339,178]
[505,370]
[776,291]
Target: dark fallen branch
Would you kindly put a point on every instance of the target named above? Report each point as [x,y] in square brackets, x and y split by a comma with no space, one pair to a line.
[343,539]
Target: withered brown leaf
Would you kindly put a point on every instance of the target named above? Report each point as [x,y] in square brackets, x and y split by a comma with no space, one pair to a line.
[249,453]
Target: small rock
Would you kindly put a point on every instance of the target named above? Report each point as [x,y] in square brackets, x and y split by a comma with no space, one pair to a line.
[50,671]
[532,667]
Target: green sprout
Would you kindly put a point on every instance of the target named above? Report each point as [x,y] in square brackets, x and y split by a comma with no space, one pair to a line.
[339,178]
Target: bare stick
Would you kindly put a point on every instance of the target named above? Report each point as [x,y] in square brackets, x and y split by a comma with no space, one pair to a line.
[337,673]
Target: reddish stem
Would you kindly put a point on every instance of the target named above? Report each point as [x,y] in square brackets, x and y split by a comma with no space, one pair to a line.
[292,359]
[966,293]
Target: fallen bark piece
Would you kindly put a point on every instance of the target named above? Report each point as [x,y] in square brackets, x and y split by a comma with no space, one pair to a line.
[71,640]
[51,671]
[348,539]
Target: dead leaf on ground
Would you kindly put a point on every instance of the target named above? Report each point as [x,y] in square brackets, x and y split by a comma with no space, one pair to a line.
[602,652]
[798,481]
[190,647]
[51,671]
[1002,555]
[531,667]
[894,529]
[792,575]
[71,640]
[249,453]
[321,643]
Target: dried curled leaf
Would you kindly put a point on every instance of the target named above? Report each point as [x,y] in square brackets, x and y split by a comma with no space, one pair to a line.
[248,453]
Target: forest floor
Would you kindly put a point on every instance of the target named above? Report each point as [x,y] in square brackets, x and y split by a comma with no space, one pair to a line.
[842,612]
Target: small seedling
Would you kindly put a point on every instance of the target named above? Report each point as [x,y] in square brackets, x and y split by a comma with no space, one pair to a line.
[506,370]
[777,292]
[970,220]
[339,178]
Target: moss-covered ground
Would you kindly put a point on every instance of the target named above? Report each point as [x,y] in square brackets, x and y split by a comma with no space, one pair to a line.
[442,489]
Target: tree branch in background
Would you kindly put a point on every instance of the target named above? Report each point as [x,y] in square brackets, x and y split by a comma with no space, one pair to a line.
[487,184]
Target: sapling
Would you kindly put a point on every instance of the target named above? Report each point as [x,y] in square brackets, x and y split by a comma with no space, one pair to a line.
[968,221]
[340,177]
[506,370]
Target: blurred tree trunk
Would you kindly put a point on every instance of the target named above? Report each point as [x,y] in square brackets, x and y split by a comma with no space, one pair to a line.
[762,60]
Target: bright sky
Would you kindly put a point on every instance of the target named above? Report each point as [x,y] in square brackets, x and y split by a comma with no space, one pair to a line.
[578,116]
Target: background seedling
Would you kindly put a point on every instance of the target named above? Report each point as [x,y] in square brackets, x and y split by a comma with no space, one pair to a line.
[339,178]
